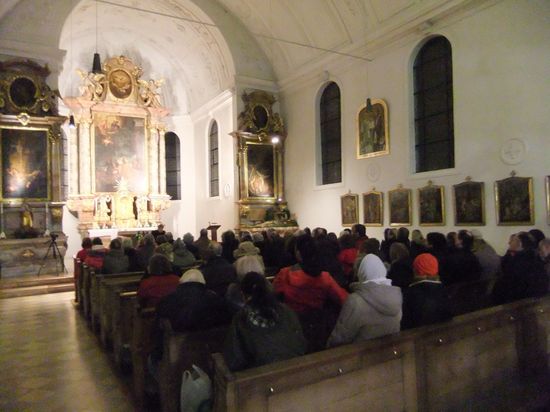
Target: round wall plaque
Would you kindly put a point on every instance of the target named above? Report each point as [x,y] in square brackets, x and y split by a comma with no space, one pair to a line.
[513,151]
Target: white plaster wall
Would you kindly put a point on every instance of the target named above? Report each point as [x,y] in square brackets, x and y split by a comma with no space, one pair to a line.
[501,70]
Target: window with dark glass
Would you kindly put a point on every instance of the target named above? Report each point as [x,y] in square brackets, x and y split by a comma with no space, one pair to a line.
[433,106]
[214,161]
[172,156]
[331,138]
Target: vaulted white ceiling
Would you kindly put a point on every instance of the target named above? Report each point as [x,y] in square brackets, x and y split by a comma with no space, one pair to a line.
[201,46]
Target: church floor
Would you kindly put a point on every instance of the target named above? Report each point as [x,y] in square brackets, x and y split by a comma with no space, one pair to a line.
[51,361]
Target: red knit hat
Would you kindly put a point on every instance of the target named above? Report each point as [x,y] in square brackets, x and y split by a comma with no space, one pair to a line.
[425,265]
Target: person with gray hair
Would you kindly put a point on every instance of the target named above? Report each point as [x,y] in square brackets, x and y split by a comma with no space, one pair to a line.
[218,272]
[115,261]
[189,241]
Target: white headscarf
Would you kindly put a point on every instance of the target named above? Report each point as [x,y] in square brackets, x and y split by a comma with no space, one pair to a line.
[372,269]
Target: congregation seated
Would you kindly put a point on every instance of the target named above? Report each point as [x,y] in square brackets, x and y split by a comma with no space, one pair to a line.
[131,253]
[247,248]
[327,254]
[488,258]
[144,251]
[390,235]
[202,243]
[369,246]
[183,258]
[243,265]
[403,237]
[359,232]
[461,264]
[544,254]
[273,252]
[372,310]
[218,272]
[158,232]
[86,247]
[348,254]
[264,330]
[229,244]
[418,244]
[400,271]
[189,241]
[164,247]
[522,271]
[159,281]
[95,255]
[115,260]
[425,300]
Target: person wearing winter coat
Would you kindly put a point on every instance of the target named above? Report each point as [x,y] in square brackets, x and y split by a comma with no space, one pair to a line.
[183,258]
[115,260]
[372,310]
[264,330]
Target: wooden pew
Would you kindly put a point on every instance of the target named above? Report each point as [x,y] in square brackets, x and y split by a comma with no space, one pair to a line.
[141,346]
[476,361]
[85,290]
[77,269]
[109,290]
[467,297]
[123,325]
[180,352]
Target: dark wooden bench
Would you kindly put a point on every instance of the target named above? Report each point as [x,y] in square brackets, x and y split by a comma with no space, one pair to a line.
[489,359]
[141,346]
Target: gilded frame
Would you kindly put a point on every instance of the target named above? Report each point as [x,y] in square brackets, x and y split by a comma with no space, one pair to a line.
[431,205]
[36,151]
[373,208]
[124,140]
[469,203]
[514,201]
[376,128]
[349,208]
[400,206]
[260,171]
[547,184]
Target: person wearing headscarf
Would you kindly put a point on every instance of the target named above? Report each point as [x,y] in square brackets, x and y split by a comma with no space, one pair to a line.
[247,248]
[264,330]
[372,310]
[425,300]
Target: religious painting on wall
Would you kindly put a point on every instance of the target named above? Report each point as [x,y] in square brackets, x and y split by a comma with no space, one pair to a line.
[431,204]
[350,209]
[260,171]
[469,203]
[25,160]
[400,206]
[120,153]
[373,137]
[373,211]
[514,201]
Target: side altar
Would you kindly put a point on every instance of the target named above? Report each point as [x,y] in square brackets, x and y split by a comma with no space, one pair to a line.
[117,169]
[260,141]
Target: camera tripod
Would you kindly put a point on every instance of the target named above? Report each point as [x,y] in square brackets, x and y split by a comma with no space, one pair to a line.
[56,254]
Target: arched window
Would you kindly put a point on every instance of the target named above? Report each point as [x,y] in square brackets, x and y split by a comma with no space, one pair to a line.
[172,156]
[214,160]
[331,136]
[433,106]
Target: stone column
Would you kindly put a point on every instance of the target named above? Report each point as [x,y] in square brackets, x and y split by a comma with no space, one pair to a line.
[162,161]
[153,161]
[73,161]
[85,157]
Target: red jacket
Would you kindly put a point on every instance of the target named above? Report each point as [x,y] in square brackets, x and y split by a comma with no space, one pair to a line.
[95,258]
[347,257]
[303,292]
[152,289]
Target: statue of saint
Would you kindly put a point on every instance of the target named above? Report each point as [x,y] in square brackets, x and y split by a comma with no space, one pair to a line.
[26,217]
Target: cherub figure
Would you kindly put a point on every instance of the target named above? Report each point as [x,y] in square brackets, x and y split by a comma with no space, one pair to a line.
[92,86]
[149,92]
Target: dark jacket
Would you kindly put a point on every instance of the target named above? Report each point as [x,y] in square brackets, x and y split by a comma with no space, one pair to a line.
[523,276]
[115,261]
[143,254]
[218,274]
[401,273]
[424,302]
[253,341]
[461,266]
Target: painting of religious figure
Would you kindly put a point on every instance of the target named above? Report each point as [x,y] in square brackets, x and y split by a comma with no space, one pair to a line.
[431,202]
[350,209]
[400,207]
[514,201]
[373,137]
[373,211]
[469,203]
[24,154]
[260,171]
[120,160]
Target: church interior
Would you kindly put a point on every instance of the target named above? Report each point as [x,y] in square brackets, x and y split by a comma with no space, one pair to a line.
[252,115]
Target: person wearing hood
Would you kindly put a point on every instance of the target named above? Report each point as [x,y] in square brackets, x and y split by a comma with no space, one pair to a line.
[115,260]
[182,256]
[372,310]
[264,330]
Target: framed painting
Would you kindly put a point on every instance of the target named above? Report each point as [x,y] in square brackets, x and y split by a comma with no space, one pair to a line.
[350,209]
[25,159]
[120,154]
[400,207]
[373,138]
[260,173]
[469,203]
[547,181]
[514,201]
[431,205]
[373,210]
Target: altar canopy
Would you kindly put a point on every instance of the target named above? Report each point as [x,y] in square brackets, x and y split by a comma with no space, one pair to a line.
[117,171]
